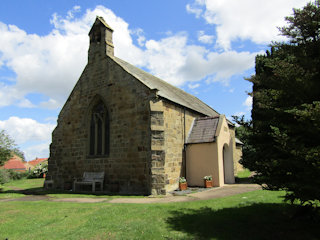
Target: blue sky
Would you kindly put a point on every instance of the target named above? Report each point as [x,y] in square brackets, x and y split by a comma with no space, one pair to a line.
[205,47]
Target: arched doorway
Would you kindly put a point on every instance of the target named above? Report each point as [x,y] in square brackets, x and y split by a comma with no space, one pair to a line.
[227,165]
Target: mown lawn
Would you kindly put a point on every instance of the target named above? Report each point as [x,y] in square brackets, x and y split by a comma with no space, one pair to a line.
[254,215]
[244,173]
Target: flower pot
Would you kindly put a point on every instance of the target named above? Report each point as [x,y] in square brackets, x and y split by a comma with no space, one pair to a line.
[208,183]
[44,175]
[183,186]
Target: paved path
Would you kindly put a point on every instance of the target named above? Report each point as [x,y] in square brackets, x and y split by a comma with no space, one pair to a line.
[227,190]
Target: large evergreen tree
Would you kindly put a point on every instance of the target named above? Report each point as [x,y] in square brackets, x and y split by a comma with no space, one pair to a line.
[285,131]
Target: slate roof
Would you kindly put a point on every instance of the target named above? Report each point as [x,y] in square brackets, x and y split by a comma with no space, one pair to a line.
[166,90]
[203,130]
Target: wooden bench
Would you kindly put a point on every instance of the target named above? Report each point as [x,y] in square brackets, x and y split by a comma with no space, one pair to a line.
[90,178]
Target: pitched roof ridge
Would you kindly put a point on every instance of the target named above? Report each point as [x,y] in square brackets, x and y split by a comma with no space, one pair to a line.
[165,86]
[101,19]
[161,80]
[37,161]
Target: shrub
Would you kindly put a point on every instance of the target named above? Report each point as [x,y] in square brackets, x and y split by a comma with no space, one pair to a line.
[38,171]
[4,176]
[17,175]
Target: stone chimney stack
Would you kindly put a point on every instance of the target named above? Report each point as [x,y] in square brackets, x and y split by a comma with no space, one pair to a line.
[100,40]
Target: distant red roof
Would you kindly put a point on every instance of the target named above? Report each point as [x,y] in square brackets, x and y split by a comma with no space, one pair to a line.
[36,161]
[15,163]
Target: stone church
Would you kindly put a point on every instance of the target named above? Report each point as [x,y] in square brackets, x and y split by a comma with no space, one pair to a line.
[142,132]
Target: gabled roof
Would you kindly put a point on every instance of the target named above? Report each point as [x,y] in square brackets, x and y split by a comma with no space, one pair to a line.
[14,164]
[203,130]
[100,20]
[166,90]
[36,161]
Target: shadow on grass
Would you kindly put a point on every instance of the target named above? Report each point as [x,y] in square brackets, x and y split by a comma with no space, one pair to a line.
[42,191]
[257,221]
[247,180]
[32,191]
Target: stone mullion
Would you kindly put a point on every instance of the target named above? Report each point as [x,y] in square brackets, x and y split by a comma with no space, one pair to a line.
[103,134]
[95,135]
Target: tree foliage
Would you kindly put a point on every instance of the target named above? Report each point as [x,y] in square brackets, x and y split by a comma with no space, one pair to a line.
[6,147]
[19,153]
[285,130]
[244,134]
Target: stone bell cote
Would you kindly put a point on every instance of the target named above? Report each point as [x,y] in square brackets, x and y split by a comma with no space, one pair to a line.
[100,40]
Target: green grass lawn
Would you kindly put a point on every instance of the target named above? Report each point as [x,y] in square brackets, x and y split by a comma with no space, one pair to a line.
[244,173]
[254,215]
[13,189]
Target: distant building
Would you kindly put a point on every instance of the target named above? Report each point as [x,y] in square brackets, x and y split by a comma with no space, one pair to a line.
[33,163]
[37,161]
[16,164]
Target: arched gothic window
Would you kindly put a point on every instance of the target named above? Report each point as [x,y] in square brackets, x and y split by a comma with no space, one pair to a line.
[99,130]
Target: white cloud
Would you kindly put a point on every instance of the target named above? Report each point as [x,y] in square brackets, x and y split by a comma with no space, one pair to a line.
[25,103]
[177,62]
[7,95]
[215,66]
[193,86]
[51,64]
[255,20]
[43,64]
[165,57]
[204,38]
[140,34]
[194,10]
[238,114]
[32,137]
[50,104]
[37,151]
[24,130]
[248,103]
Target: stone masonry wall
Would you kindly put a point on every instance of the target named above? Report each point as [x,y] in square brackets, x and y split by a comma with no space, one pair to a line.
[235,151]
[127,166]
[167,144]
[175,136]
[158,151]
[237,156]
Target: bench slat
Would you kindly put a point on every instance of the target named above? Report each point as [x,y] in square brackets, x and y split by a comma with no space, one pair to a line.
[90,178]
